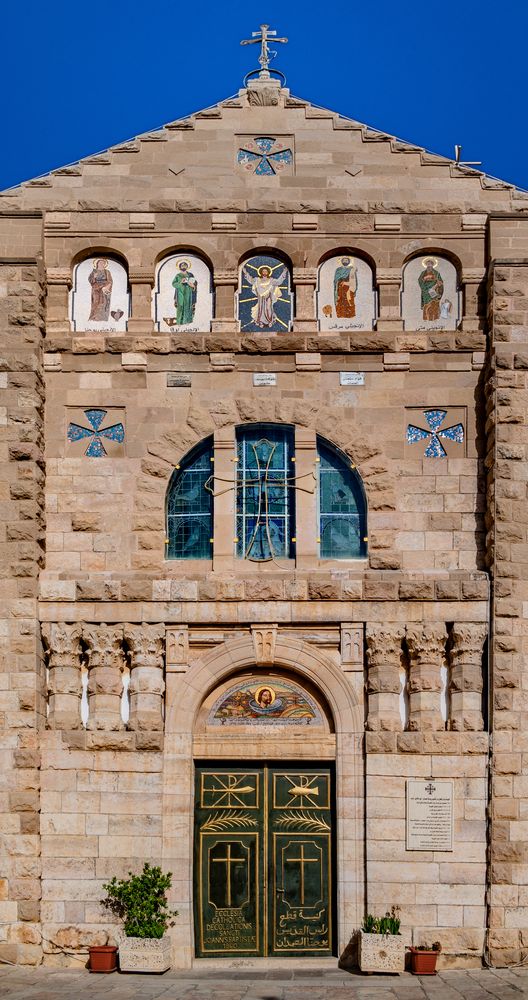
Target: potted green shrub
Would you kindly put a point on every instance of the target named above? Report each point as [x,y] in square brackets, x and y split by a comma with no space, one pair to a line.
[381,947]
[140,901]
[423,959]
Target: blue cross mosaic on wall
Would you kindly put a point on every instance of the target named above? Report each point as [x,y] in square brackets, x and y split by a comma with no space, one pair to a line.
[94,433]
[264,156]
[434,420]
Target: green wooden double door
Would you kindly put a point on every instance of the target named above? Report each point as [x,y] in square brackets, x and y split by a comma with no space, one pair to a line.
[263,861]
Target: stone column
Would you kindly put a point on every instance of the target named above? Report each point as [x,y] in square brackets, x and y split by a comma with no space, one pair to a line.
[226,284]
[147,684]
[224,468]
[64,666]
[384,654]
[389,298]
[466,679]
[304,282]
[59,282]
[305,491]
[141,282]
[426,645]
[105,681]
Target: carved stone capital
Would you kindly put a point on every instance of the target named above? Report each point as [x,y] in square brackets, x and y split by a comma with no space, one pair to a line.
[103,643]
[225,277]
[59,276]
[466,679]
[140,276]
[264,637]
[62,642]
[304,275]
[467,643]
[426,644]
[146,644]
[384,660]
[384,644]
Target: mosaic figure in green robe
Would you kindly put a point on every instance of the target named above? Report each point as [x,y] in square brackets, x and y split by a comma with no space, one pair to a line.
[185,290]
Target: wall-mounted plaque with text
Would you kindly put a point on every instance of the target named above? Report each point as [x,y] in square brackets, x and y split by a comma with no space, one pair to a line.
[429,815]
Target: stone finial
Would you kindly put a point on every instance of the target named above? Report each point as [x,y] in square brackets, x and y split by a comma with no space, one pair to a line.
[384,655]
[105,682]
[64,665]
[426,645]
[146,644]
[466,678]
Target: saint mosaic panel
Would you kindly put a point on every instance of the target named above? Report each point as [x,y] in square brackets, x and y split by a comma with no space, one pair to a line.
[430,294]
[183,298]
[99,299]
[265,700]
[264,297]
[346,298]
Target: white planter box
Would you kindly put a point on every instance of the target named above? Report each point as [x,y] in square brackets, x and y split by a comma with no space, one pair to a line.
[381,952]
[145,954]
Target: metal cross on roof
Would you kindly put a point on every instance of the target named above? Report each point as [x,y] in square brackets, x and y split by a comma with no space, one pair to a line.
[264,483]
[266,54]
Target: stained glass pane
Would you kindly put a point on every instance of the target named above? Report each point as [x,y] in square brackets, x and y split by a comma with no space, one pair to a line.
[342,511]
[265,495]
[190,508]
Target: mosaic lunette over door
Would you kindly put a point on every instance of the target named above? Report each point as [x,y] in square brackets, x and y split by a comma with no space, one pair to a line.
[264,297]
[265,700]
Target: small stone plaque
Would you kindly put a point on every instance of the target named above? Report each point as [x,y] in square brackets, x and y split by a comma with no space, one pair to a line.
[175,379]
[351,378]
[429,815]
[264,378]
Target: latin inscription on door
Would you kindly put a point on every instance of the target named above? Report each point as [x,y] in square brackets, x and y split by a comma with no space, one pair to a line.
[263,862]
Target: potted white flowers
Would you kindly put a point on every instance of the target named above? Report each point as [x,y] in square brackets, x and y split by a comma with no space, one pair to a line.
[141,903]
[381,947]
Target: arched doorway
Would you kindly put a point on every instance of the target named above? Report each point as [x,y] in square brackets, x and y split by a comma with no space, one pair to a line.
[264,765]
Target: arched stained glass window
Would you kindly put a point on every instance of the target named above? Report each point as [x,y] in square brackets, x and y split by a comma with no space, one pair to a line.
[265,508]
[342,507]
[190,507]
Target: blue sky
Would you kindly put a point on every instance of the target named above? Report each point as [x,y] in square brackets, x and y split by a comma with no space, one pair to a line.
[78,77]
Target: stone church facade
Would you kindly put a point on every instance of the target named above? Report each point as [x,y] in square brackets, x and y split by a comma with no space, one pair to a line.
[212,655]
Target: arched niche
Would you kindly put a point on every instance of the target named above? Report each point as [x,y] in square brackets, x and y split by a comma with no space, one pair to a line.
[346,297]
[183,294]
[264,298]
[100,299]
[430,293]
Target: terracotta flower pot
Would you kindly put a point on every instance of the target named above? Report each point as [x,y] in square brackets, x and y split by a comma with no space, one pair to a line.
[423,962]
[103,958]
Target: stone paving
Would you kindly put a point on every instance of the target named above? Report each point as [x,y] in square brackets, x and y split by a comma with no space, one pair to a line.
[285,984]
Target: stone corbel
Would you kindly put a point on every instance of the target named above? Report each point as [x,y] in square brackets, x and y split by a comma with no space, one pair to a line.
[64,670]
[304,282]
[141,281]
[466,677]
[177,649]
[226,284]
[264,638]
[352,647]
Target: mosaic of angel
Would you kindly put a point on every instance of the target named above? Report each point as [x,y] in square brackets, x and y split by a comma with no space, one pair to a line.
[265,298]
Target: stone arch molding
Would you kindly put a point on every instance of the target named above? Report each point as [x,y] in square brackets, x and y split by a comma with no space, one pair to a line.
[352,437]
[294,655]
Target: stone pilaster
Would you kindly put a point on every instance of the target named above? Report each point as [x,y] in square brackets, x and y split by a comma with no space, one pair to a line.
[384,658]
[304,281]
[426,645]
[141,281]
[147,684]
[64,674]
[105,682]
[226,283]
[466,678]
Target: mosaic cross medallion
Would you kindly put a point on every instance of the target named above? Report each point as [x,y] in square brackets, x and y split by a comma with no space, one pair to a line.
[264,156]
[94,434]
[434,420]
